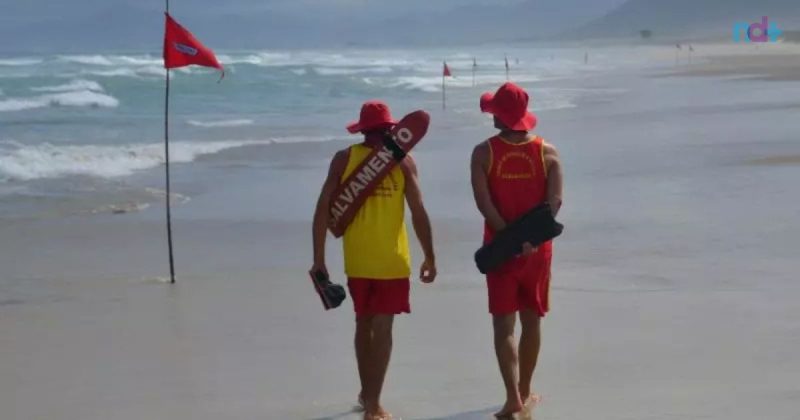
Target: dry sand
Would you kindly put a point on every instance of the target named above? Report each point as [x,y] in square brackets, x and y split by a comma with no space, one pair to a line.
[776,161]
[780,62]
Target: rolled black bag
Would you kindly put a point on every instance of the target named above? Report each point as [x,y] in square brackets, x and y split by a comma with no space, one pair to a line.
[537,227]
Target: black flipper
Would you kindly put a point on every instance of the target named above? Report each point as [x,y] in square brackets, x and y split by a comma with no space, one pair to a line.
[537,227]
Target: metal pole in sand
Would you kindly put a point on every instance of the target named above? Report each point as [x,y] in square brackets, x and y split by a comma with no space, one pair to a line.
[444,94]
[166,161]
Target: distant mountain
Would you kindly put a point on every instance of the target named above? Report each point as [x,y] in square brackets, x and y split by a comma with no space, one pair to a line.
[250,24]
[674,19]
[532,19]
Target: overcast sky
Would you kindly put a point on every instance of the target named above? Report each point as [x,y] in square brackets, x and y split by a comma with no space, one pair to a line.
[59,24]
[33,10]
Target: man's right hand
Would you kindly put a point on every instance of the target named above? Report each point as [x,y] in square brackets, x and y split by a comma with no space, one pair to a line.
[427,272]
[319,267]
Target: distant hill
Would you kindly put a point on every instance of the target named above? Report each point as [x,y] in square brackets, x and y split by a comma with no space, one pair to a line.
[42,26]
[675,19]
[532,19]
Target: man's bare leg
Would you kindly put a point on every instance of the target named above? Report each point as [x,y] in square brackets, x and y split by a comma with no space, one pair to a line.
[506,350]
[363,343]
[380,354]
[529,344]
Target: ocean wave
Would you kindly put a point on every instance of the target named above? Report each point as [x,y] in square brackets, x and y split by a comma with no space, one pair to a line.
[82,98]
[265,59]
[75,85]
[131,72]
[28,162]
[423,84]
[111,73]
[93,60]
[18,62]
[120,208]
[346,71]
[221,123]
[247,59]
[304,139]
[113,60]
[320,59]
[143,60]
[158,71]
[431,84]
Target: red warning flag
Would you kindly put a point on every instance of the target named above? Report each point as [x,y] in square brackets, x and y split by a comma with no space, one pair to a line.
[182,49]
[446,71]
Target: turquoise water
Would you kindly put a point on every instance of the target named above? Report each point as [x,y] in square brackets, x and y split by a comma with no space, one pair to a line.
[78,133]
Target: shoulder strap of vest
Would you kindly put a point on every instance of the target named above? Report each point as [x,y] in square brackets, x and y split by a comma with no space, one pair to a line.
[539,142]
[353,191]
[490,144]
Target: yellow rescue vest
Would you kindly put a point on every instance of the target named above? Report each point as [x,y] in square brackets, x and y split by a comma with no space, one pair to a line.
[376,242]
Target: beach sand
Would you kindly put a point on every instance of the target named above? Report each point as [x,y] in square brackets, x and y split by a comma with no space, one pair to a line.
[675,288]
[641,336]
[767,62]
[776,160]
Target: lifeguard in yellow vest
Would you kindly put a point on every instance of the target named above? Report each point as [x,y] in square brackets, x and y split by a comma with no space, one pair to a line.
[376,255]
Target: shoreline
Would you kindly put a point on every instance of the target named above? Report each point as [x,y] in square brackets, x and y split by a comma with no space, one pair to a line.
[777,63]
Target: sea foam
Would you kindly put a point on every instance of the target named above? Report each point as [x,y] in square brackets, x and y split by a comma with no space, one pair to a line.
[80,98]
[27,162]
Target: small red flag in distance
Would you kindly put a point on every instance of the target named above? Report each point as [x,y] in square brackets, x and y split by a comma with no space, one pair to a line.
[446,71]
[182,49]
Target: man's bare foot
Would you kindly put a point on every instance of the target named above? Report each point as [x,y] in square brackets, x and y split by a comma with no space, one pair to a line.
[361,404]
[531,400]
[511,408]
[378,414]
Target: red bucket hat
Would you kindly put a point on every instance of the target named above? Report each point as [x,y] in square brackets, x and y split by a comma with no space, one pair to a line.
[374,114]
[510,105]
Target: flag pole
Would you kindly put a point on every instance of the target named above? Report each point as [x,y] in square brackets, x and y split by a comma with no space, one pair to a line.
[474,65]
[444,95]
[166,161]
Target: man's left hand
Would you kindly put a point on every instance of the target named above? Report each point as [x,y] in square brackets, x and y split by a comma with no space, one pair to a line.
[528,249]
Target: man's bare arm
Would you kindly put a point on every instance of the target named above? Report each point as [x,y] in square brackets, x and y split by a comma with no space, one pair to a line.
[480,187]
[322,212]
[555,180]
[420,219]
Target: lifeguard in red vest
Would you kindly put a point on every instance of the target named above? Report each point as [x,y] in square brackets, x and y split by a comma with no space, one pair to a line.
[512,173]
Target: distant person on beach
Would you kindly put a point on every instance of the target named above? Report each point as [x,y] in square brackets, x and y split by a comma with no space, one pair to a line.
[376,253]
[512,173]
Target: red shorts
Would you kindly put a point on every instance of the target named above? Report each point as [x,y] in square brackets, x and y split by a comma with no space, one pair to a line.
[523,283]
[380,297]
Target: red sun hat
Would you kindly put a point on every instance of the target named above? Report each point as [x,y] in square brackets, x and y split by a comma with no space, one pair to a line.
[510,105]
[374,114]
